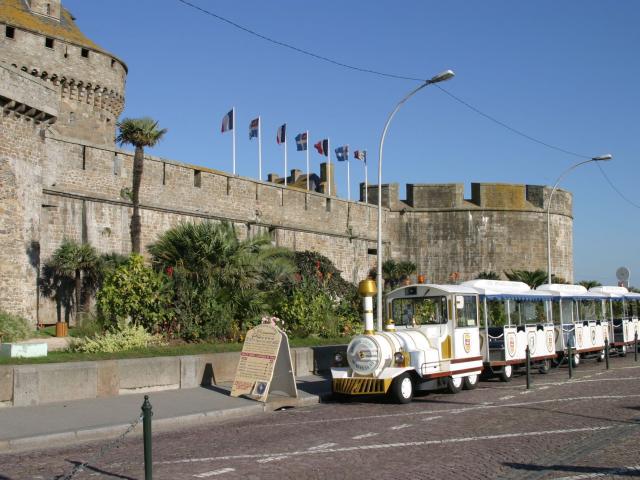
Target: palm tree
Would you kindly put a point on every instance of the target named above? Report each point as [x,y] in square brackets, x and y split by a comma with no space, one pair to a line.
[140,133]
[63,273]
[533,278]
[489,275]
[589,283]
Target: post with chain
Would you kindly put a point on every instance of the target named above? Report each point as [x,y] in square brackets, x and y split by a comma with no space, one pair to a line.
[570,355]
[147,413]
[635,346]
[528,352]
[606,352]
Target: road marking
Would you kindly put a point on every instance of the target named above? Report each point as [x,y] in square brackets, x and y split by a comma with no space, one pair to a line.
[525,392]
[364,435]
[613,471]
[400,427]
[543,387]
[382,446]
[272,459]
[459,410]
[323,446]
[428,419]
[213,473]
[508,397]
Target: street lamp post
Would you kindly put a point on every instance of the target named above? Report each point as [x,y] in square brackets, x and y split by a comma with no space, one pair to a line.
[441,77]
[601,158]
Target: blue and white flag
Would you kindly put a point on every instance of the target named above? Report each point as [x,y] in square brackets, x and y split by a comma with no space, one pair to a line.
[342,153]
[253,128]
[281,135]
[227,121]
[360,155]
[301,141]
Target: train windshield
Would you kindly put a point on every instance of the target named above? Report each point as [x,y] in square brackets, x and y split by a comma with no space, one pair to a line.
[591,310]
[419,311]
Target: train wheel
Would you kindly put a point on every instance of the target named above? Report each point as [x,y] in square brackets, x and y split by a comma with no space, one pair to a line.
[470,382]
[545,366]
[401,390]
[601,356]
[622,351]
[454,385]
[576,360]
[506,374]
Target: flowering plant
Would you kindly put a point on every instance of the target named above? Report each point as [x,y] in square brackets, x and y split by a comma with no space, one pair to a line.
[274,321]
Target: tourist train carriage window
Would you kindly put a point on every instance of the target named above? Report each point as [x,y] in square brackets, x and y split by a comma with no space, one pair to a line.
[496,313]
[619,310]
[526,312]
[633,308]
[565,306]
[590,310]
[466,311]
[419,311]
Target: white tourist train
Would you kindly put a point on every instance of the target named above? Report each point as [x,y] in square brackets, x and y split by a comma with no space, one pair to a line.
[512,317]
[432,342]
[621,307]
[445,336]
[579,319]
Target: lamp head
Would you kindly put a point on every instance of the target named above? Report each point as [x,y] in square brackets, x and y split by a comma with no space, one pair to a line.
[603,158]
[442,76]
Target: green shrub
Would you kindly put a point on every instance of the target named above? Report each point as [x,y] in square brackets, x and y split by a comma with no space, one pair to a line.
[13,328]
[135,293]
[127,337]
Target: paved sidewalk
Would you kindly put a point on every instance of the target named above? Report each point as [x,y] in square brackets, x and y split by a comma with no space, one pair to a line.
[63,423]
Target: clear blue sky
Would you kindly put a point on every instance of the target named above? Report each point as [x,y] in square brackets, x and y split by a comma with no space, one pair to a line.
[564,72]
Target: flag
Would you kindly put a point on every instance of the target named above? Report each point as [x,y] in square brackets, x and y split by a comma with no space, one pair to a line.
[281,136]
[301,141]
[360,155]
[253,128]
[342,153]
[227,121]
[322,147]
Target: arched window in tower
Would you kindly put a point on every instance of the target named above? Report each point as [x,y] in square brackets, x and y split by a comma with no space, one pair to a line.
[48,9]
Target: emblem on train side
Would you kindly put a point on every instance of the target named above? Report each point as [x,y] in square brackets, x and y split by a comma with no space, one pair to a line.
[593,335]
[579,337]
[467,342]
[511,344]
[550,342]
[532,343]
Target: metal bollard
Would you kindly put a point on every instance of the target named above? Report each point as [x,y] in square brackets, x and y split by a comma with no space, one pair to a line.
[528,352]
[570,356]
[635,349]
[606,352]
[147,413]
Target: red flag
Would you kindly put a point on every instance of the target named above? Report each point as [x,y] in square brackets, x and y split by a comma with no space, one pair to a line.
[322,147]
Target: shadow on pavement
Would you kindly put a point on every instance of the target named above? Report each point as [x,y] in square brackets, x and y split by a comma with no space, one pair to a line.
[96,470]
[601,471]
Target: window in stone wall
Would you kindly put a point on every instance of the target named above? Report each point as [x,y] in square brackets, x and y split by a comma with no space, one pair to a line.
[48,42]
[113,62]
[328,205]
[84,52]
[84,157]
[197,178]
[164,173]
[48,9]
[10,32]
[117,164]
[72,117]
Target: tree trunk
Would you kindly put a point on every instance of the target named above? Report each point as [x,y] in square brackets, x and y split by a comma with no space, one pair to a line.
[136,226]
[78,292]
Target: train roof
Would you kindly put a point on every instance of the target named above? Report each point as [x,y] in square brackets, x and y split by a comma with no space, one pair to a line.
[610,291]
[506,290]
[562,290]
[424,289]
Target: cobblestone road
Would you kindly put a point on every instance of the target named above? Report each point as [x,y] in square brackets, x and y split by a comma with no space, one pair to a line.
[585,428]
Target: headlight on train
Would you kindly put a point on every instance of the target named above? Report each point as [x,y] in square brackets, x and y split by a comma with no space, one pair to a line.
[398,358]
[363,355]
[338,359]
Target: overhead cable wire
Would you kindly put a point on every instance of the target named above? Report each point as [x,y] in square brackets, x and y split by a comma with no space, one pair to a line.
[404,77]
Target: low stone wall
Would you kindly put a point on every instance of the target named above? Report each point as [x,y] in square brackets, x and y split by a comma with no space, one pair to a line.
[25,385]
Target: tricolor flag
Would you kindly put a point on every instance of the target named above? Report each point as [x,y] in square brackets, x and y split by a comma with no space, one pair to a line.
[360,155]
[227,121]
[253,128]
[301,141]
[281,135]
[342,153]
[322,147]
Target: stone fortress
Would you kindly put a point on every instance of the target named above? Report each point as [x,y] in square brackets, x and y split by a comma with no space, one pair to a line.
[61,176]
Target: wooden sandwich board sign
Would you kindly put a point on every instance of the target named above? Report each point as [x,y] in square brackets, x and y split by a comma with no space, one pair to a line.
[265,365]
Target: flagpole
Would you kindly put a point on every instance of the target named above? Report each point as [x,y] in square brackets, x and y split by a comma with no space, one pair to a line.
[285,157]
[233,118]
[329,165]
[259,147]
[366,184]
[348,181]
[307,134]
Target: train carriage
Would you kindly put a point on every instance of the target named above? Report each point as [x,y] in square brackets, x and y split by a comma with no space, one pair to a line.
[579,319]
[431,341]
[620,306]
[513,317]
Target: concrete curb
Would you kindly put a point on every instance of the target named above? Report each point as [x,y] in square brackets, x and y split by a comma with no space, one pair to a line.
[63,439]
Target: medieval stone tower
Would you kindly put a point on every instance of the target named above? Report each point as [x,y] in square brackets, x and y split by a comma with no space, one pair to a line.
[62,177]
[41,39]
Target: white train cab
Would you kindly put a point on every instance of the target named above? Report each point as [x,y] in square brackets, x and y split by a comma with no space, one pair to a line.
[512,317]
[620,307]
[431,341]
[579,317]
